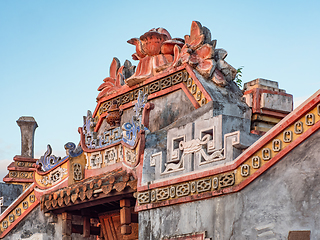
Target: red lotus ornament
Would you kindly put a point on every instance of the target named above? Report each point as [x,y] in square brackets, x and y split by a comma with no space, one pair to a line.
[154,50]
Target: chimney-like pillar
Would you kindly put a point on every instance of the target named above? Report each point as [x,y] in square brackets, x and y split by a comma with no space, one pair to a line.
[269,104]
[27,126]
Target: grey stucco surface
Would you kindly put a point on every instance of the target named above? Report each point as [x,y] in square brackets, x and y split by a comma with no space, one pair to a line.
[285,198]
[191,126]
[9,192]
[167,109]
[38,226]
[226,100]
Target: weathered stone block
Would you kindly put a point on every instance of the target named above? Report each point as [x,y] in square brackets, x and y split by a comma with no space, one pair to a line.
[276,102]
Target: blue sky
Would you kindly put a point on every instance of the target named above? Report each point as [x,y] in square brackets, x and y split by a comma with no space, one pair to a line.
[55,54]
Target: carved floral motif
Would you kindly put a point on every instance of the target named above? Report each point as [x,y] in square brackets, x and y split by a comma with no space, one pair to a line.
[199,51]
[116,80]
[158,52]
[154,50]
[54,176]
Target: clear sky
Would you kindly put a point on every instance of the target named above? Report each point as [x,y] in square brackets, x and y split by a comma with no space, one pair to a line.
[55,54]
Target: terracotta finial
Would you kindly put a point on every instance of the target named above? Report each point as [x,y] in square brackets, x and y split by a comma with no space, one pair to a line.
[114,115]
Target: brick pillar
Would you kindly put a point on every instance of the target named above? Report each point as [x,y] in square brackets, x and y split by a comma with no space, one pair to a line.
[269,104]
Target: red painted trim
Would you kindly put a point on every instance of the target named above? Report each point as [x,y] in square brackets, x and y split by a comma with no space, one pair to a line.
[159,94]
[39,191]
[24,159]
[24,169]
[23,215]
[273,113]
[125,88]
[256,101]
[261,133]
[194,77]
[20,180]
[16,202]
[267,91]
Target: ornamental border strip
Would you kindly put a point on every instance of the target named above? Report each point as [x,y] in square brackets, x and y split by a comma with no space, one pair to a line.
[249,169]
[157,85]
[17,211]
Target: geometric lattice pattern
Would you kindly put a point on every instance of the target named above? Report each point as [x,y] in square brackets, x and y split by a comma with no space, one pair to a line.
[186,189]
[156,86]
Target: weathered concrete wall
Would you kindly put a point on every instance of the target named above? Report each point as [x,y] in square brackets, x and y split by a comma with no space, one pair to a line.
[192,126]
[285,198]
[38,226]
[226,100]
[9,192]
[167,109]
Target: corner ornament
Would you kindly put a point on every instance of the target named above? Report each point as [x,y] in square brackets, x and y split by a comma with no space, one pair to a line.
[200,52]
[132,129]
[72,150]
[116,79]
[48,161]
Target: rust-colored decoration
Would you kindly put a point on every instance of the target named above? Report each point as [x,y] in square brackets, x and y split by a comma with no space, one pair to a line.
[116,80]
[21,171]
[199,51]
[154,50]
[191,236]
[93,188]
[157,52]
[112,227]
[114,115]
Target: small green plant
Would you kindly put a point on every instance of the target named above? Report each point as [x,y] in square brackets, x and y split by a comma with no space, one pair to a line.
[238,77]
